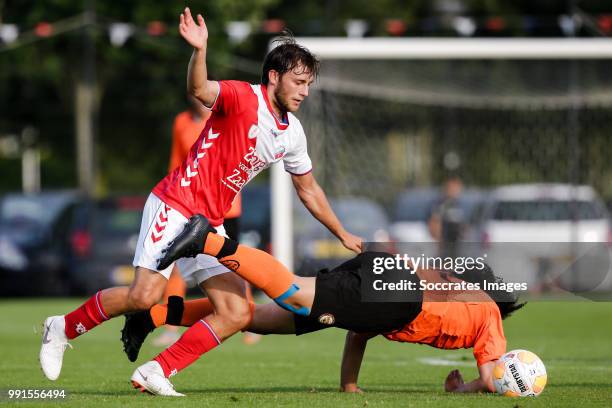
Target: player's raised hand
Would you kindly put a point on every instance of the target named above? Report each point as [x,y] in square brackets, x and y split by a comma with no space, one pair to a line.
[352,242]
[196,34]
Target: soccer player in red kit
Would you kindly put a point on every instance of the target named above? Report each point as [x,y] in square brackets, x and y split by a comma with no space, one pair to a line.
[250,127]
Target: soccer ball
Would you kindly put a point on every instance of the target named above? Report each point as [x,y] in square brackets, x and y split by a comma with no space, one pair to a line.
[519,373]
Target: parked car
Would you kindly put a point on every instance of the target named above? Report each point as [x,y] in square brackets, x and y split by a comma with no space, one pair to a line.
[413,209]
[34,242]
[543,213]
[103,239]
[411,214]
[547,235]
[317,248]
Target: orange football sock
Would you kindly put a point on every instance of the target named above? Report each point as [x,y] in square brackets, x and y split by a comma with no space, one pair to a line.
[158,314]
[256,267]
[214,243]
[176,285]
[193,311]
[196,310]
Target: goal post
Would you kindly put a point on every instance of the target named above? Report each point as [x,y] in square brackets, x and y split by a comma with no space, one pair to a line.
[334,48]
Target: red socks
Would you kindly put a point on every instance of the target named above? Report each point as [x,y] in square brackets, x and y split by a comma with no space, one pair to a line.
[85,317]
[197,340]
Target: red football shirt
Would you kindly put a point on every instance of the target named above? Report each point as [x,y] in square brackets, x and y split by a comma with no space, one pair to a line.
[241,138]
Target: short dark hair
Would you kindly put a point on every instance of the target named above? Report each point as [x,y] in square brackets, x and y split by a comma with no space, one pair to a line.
[507,302]
[286,56]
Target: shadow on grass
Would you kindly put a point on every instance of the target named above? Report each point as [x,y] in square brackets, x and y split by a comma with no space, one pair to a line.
[302,390]
[262,390]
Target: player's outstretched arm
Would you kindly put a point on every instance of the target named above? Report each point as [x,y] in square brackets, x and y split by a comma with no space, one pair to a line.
[484,383]
[354,348]
[196,34]
[314,199]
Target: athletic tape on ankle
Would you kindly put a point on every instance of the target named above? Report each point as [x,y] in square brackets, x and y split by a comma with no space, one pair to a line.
[176,306]
[302,311]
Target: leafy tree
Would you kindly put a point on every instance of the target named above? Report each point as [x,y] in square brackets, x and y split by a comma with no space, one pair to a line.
[139,86]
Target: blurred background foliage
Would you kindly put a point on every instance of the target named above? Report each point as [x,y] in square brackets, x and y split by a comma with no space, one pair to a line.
[140,86]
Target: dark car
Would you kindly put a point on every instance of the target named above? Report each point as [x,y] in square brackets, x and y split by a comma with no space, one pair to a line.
[316,248]
[34,242]
[103,238]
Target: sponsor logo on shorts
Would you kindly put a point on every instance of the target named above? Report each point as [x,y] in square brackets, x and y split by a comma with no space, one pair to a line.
[327,319]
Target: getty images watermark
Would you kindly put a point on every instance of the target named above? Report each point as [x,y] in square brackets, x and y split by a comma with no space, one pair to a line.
[421,264]
[401,272]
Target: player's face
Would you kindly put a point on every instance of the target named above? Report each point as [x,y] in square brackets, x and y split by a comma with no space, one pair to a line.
[293,88]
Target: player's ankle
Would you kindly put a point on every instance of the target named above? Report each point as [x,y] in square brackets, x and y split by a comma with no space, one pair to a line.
[293,301]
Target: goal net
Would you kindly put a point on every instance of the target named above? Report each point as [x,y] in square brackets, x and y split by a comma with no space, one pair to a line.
[380,121]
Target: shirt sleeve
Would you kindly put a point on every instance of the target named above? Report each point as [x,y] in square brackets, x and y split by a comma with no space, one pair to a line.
[231,97]
[491,343]
[296,160]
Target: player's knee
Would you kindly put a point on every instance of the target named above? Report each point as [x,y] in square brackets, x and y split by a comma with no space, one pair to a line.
[142,299]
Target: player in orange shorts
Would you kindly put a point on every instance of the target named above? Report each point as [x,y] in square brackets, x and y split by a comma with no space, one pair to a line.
[442,319]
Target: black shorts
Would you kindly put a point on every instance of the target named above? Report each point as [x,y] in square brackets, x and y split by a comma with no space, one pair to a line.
[338,303]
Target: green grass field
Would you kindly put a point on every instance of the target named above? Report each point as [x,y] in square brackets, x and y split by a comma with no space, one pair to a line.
[573,339]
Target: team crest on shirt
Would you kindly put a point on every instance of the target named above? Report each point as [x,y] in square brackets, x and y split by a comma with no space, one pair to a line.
[327,319]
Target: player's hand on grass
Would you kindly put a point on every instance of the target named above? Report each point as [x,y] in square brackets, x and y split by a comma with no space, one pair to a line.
[352,242]
[454,380]
[351,388]
[195,34]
